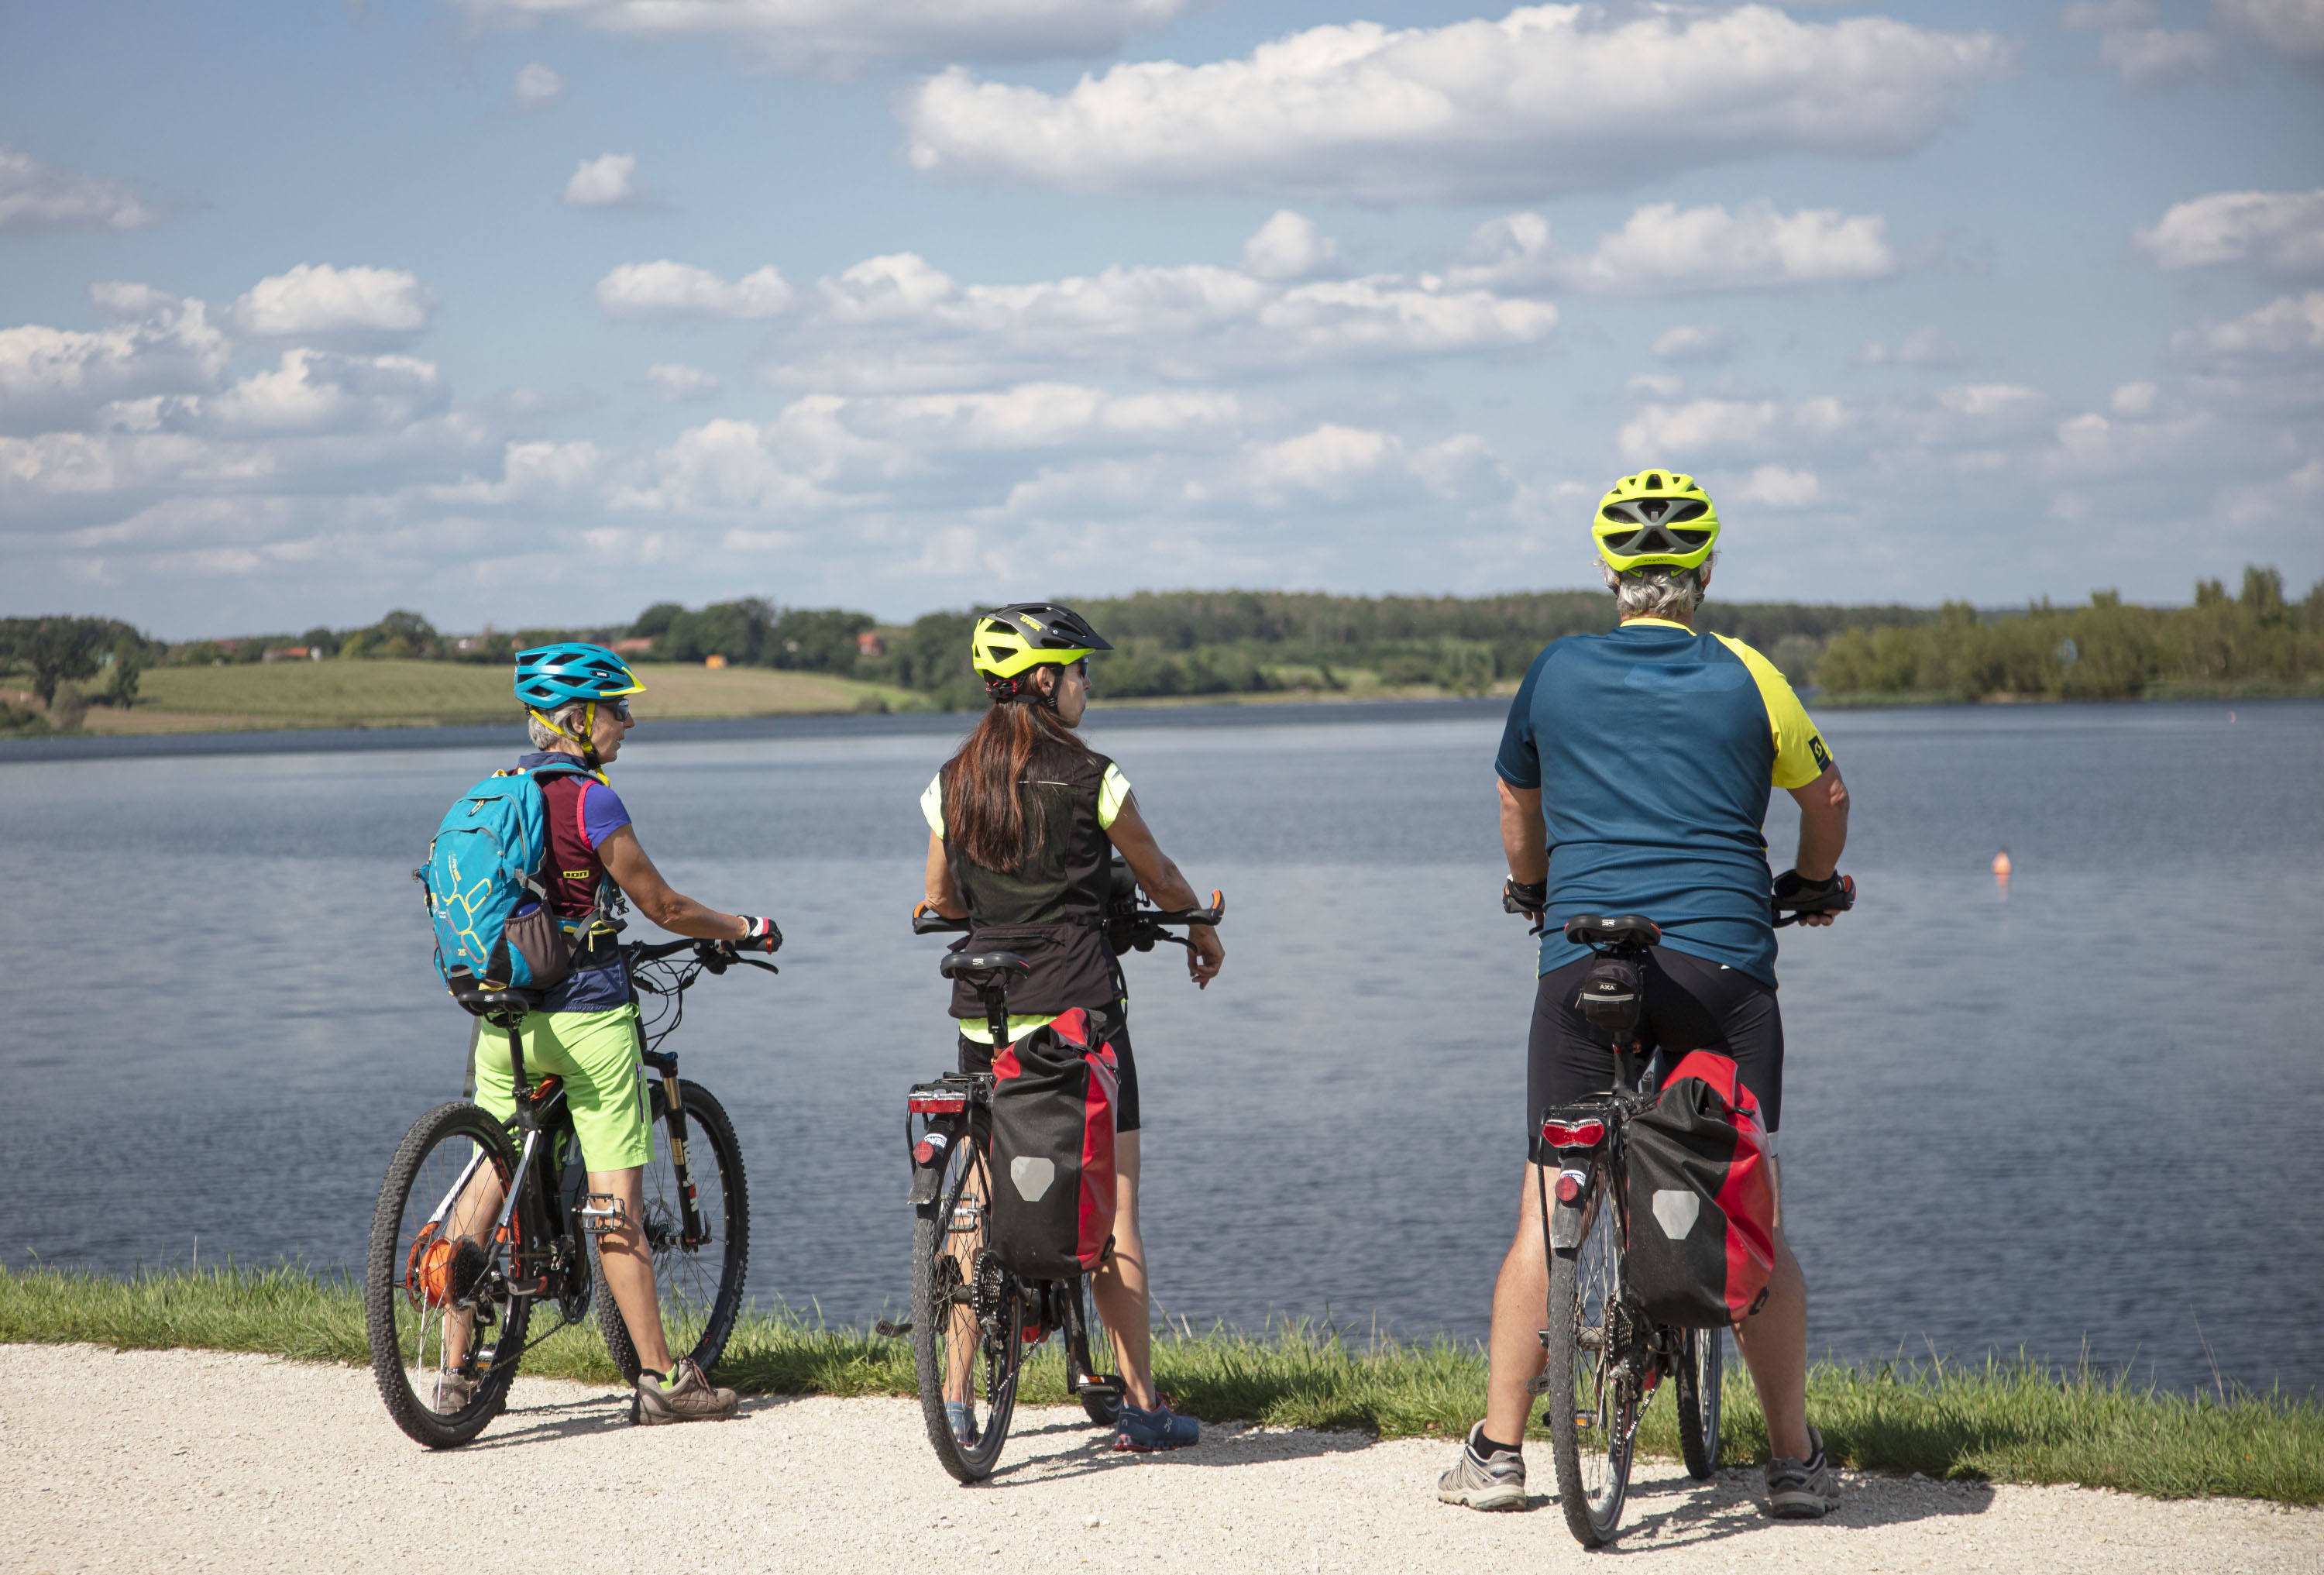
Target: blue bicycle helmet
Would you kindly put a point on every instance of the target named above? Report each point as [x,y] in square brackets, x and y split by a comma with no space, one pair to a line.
[550,676]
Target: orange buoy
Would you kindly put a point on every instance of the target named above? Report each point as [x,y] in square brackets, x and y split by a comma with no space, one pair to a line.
[2001,865]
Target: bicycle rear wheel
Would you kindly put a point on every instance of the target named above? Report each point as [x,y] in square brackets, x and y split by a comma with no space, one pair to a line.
[1702,1363]
[700,1284]
[968,1318]
[1102,1407]
[439,1366]
[1593,1405]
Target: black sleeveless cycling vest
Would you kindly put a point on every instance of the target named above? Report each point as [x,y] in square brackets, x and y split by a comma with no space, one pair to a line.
[1052,911]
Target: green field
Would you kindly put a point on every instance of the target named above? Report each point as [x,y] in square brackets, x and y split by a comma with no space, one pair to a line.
[425,694]
[2010,1422]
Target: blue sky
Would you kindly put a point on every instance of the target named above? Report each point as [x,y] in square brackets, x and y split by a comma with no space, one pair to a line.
[533,311]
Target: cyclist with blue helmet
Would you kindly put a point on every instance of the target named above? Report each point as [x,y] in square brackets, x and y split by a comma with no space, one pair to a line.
[577,708]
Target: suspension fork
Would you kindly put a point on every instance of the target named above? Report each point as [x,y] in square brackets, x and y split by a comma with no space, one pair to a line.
[693,1232]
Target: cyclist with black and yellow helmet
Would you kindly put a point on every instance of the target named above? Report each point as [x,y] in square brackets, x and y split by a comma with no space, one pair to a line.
[1023,823]
[1634,777]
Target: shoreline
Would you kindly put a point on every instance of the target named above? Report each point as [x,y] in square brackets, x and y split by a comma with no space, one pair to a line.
[1260,710]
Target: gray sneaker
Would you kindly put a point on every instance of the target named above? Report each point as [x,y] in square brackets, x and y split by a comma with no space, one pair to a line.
[684,1396]
[1803,1490]
[453,1392]
[1484,1482]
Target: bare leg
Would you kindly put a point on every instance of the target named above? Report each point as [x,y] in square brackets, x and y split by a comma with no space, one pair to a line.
[1520,1305]
[629,1269]
[1120,1287]
[961,1337]
[472,1218]
[1774,1342]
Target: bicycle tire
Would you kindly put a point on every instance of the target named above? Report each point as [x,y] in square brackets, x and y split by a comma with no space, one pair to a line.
[701,1287]
[1592,1425]
[1702,1367]
[946,1332]
[397,1316]
[1104,1409]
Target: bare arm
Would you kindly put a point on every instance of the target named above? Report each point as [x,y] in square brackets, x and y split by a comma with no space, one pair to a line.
[1167,886]
[944,891]
[625,861]
[1525,839]
[1823,832]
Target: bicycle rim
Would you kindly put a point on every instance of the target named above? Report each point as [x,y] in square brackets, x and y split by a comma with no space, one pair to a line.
[439,1366]
[1701,1370]
[966,1337]
[700,1284]
[1593,1412]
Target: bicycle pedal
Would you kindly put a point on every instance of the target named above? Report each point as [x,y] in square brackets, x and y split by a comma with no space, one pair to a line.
[1539,1386]
[602,1211]
[887,1330]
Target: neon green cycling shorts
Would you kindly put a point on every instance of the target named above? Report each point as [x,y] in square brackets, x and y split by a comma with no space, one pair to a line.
[597,1054]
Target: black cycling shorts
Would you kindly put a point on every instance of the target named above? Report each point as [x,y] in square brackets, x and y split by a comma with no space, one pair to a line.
[976,1057]
[1690,1005]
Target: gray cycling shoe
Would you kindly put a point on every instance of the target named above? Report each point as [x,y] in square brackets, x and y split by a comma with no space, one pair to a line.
[1803,1490]
[453,1392]
[1495,1481]
[962,1417]
[684,1395]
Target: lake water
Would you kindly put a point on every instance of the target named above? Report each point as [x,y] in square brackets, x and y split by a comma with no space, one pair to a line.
[2088,1114]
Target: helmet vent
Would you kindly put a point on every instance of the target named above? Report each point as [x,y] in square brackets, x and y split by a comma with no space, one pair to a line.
[1654,481]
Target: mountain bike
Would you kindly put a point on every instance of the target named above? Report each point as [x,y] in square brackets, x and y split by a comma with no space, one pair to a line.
[478,1222]
[973,1321]
[1606,1358]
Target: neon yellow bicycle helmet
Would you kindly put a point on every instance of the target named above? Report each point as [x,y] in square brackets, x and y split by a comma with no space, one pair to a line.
[1656,517]
[1011,641]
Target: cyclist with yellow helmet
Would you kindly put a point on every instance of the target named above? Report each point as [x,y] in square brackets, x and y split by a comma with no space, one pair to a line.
[1634,777]
[1023,823]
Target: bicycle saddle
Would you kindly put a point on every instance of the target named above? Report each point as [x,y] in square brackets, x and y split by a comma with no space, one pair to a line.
[500,1003]
[1627,933]
[975,964]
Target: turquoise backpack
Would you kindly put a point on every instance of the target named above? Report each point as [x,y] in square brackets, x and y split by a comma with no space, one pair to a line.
[486,880]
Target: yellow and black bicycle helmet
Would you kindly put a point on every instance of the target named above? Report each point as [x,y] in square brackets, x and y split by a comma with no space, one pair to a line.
[1655,518]
[1010,641]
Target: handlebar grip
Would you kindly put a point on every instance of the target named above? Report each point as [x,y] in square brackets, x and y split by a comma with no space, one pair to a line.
[927,921]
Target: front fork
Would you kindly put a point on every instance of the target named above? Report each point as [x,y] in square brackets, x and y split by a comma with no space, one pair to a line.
[674,1114]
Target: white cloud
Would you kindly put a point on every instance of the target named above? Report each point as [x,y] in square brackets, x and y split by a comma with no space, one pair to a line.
[1652,385]
[2108,15]
[1776,487]
[2132,399]
[538,86]
[843,37]
[2286,332]
[60,377]
[1689,343]
[35,195]
[2161,56]
[318,302]
[676,383]
[1549,98]
[896,322]
[2276,232]
[1966,416]
[672,290]
[609,181]
[2290,27]
[1665,250]
[1289,247]
[1927,345]
[313,391]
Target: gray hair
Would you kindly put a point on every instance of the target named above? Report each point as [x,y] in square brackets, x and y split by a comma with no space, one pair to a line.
[568,717]
[1659,591]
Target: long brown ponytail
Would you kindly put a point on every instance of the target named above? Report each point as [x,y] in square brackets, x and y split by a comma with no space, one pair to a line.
[989,817]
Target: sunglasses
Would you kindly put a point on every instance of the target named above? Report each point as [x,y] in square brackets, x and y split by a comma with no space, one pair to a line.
[620,708]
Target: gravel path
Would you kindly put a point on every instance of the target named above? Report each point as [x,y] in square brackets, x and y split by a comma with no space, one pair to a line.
[162,1460]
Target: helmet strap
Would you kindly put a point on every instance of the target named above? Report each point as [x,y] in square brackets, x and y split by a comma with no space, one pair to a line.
[588,738]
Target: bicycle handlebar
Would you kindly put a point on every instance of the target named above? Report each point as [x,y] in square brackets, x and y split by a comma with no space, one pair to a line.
[716,956]
[927,921]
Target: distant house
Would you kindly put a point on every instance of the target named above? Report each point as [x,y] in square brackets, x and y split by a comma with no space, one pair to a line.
[286,653]
[714,662]
[634,647]
[869,643]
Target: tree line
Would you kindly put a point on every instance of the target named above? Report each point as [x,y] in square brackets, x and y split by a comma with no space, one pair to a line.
[1198,643]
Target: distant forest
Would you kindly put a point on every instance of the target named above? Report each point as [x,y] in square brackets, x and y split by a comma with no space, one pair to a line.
[2253,639]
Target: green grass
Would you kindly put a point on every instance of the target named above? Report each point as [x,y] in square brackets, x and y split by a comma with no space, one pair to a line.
[2011,1420]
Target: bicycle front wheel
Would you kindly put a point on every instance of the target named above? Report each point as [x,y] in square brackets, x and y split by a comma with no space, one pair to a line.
[1593,1404]
[699,1281]
[968,1319]
[437,1346]
[1702,1363]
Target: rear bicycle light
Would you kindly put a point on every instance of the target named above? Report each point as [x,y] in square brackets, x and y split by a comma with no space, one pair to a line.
[1588,1134]
[938,1104]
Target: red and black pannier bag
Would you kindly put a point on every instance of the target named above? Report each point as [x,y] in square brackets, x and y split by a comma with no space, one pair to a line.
[1701,1199]
[1052,1115]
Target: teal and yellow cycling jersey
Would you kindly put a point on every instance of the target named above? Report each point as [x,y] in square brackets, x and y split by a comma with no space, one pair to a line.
[1655,748]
